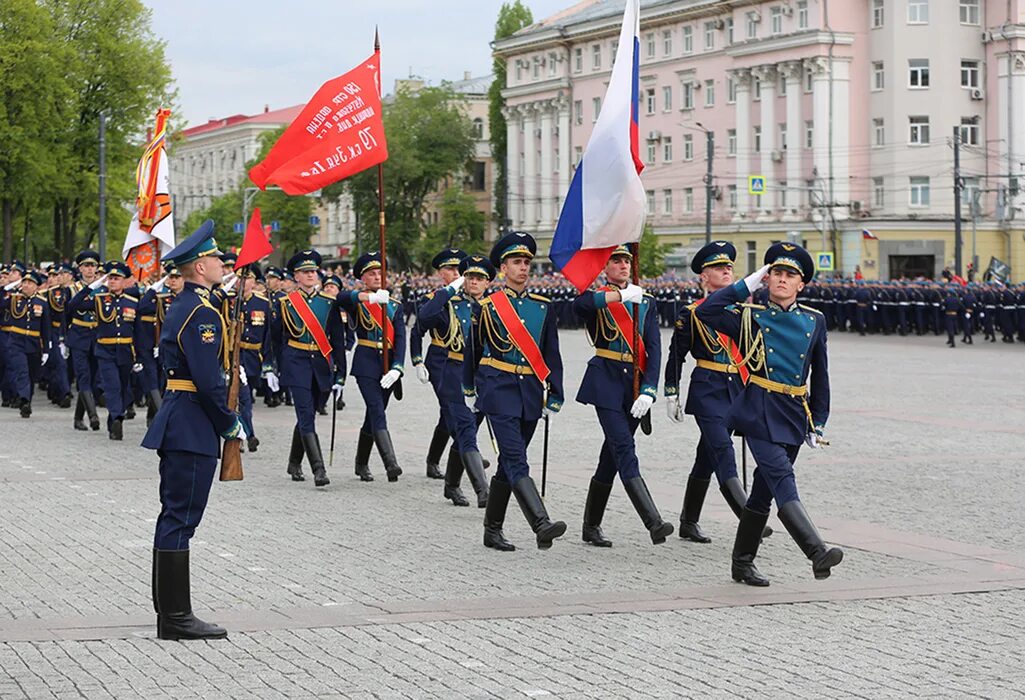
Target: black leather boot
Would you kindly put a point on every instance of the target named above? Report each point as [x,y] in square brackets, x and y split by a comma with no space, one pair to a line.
[64,401]
[382,438]
[130,412]
[736,497]
[545,530]
[90,408]
[693,500]
[117,429]
[173,599]
[311,443]
[26,408]
[639,495]
[295,457]
[745,548]
[154,401]
[363,447]
[80,414]
[252,443]
[474,465]
[453,476]
[435,451]
[494,516]
[799,525]
[594,510]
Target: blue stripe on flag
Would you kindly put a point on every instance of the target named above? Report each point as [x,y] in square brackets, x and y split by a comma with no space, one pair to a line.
[569,232]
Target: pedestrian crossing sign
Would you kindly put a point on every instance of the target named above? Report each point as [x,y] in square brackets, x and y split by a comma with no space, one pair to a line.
[756,184]
[824,262]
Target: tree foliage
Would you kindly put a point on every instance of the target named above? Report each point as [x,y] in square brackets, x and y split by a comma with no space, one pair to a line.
[652,259]
[461,225]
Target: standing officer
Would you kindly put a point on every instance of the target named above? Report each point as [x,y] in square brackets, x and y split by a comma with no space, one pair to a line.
[515,343]
[256,348]
[431,367]
[608,385]
[27,326]
[81,341]
[377,319]
[715,383]
[115,313]
[782,342]
[308,336]
[952,309]
[187,431]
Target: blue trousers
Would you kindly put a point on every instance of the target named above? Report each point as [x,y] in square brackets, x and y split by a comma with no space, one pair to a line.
[117,388]
[715,453]
[462,424]
[148,377]
[57,375]
[774,478]
[618,452]
[376,400]
[185,481]
[22,372]
[513,435]
[83,362]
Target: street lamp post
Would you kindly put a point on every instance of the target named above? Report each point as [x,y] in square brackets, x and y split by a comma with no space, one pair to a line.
[709,179]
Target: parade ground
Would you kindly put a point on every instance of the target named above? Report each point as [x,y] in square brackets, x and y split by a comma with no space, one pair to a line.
[385,590]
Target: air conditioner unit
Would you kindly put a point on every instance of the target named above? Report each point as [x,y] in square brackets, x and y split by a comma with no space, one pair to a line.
[777,156]
[755,17]
[856,205]
[788,11]
[978,94]
[987,36]
[720,24]
[695,84]
[654,135]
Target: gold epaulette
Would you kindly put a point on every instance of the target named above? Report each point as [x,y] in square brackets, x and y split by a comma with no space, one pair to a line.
[538,297]
[258,295]
[129,296]
[429,295]
[809,309]
[759,307]
[485,300]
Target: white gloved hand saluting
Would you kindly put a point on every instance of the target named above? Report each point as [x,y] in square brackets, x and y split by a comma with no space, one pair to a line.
[755,280]
[380,297]
[98,282]
[456,284]
[159,284]
[12,285]
[421,372]
[632,293]
[390,378]
[230,283]
[673,409]
[641,406]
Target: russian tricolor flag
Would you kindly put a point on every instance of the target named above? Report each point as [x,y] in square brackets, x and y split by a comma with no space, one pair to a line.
[605,204]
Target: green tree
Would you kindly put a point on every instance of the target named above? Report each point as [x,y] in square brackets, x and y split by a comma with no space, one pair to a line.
[511,18]
[461,225]
[652,259]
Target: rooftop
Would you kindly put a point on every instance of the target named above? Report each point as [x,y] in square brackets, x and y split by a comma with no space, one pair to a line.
[267,116]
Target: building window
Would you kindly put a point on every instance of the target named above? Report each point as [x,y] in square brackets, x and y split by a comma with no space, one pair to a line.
[731,197]
[578,154]
[537,67]
[776,19]
[688,200]
[782,140]
[919,191]
[753,18]
[879,131]
[596,105]
[709,93]
[650,41]
[650,160]
[969,11]
[758,139]
[731,142]
[578,59]
[615,52]
[756,88]
[667,149]
[809,79]
[650,100]
[969,192]
[729,31]
[752,256]
[969,131]
[667,202]
[918,73]
[809,134]
[918,11]
[802,14]
[688,147]
[667,42]
[519,71]
[649,196]
[878,193]
[783,194]
[688,95]
[578,112]
[709,36]
[919,135]
[688,39]
[969,74]
[667,98]
[553,64]
[878,75]
[731,90]
[478,128]
[878,9]
[596,57]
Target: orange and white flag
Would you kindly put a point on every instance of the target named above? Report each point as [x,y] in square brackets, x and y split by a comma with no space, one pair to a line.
[151,232]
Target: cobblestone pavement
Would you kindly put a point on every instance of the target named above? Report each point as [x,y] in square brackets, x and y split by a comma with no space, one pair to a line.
[381,589]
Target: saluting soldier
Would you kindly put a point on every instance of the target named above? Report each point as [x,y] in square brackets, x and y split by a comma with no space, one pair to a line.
[715,383]
[187,431]
[81,341]
[310,342]
[56,369]
[782,342]
[12,281]
[608,385]
[27,326]
[515,345]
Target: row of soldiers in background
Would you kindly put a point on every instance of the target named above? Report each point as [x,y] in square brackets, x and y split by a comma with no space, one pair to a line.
[921,307]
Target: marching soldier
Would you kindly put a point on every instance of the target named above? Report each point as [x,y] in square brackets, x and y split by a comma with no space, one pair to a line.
[310,342]
[952,309]
[12,280]
[782,342]
[969,304]
[256,350]
[377,320]
[608,385]
[147,350]
[187,431]
[81,340]
[56,370]
[27,327]
[515,345]
[715,383]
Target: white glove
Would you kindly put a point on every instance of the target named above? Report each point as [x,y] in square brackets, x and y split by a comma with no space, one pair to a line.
[65,353]
[754,281]
[641,406]
[471,403]
[98,282]
[44,358]
[811,440]
[272,381]
[159,284]
[230,283]
[137,367]
[336,391]
[390,378]
[632,293]
[547,412]
[380,297]
[456,284]
[242,376]
[156,352]
[241,431]
[11,285]
[673,409]
[421,371]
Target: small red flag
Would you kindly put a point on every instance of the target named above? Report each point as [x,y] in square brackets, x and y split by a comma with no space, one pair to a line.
[255,246]
[338,133]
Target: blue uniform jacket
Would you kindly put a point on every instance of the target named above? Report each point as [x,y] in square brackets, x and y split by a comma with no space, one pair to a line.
[81,322]
[432,318]
[192,348]
[146,324]
[298,357]
[26,322]
[57,300]
[513,393]
[115,322]
[608,383]
[449,318]
[786,345]
[366,360]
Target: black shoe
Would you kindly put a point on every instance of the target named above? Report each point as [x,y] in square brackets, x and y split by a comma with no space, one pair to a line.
[799,525]
[594,510]
[639,495]
[745,548]
[434,452]
[117,429]
[311,442]
[90,408]
[736,497]
[387,451]
[693,500]
[26,408]
[545,530]
[295,457]
[252,443]
[65,402]
[102,401]
[172,598]
[453,475]
[494,516]
[80,414]
[473,464]
[130,412]
[363,447]
[322,411]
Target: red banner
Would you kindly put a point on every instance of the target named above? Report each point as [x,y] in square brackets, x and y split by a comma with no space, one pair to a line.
[624,320]
[731,349]
[380,316]
[338,134]
[298,302]
[255,246]
[519,335]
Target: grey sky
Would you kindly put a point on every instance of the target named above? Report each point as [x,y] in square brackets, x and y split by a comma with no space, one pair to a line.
[235,56]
